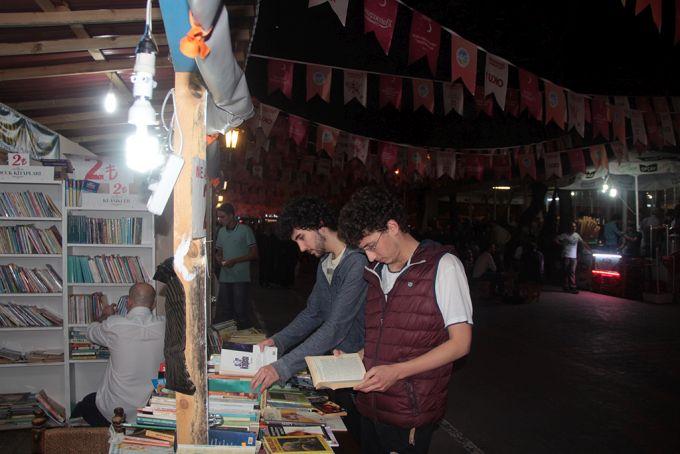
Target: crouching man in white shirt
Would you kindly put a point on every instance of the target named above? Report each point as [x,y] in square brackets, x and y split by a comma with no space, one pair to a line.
[136,345]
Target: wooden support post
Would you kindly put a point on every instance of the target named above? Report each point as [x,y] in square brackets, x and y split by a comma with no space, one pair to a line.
[192,411]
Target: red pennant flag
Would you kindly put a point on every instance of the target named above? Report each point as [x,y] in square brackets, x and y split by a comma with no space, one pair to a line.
[453,98]
[527,164]
[268,116]
[424,40]
[652,128]
[588,116]
[502,167]
[339,7]
[531,97]
[280,77]
[660,104]
[319,82]
[379,18]
[576,160]
[667,129]
[474,168]
[600,117]
[677,22]
[297,130]
[577,118]
[555,104]
[326,139]
[620,151]
[390,91]
[640,5]
[483,103]
[619,123]
[598,154]
[553,165]
[423,94]
[355,86]
[446,163]
[464,62]
[388,155]
[512,102]
[642,103]
[496,79]
[638,125]
[360,148]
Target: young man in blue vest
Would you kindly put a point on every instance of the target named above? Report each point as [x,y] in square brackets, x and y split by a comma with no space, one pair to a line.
[418,322]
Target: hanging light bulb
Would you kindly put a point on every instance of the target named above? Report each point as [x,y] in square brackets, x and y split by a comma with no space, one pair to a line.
[142,151]
[613,192]
[573,193]
[231,139]
[605,188]
[110,101]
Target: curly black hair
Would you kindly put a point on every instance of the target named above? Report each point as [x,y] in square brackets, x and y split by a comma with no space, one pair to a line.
[367,211]
[307,213]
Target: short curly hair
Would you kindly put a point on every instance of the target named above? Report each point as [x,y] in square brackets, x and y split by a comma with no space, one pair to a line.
[306,213]
[367,211]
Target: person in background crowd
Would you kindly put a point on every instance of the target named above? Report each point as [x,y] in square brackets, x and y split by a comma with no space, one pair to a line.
[531,264]
[647,224]
[235,249]
[570,242]
[631,241]
[612,234]
[485,268]
[136,346]
[418,322]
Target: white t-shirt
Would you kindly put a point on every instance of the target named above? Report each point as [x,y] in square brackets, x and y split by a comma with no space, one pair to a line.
[329,264]
[450,287]
[570,244]
[483,264]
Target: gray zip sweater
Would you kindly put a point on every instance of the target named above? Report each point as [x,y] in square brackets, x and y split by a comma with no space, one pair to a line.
[333,318]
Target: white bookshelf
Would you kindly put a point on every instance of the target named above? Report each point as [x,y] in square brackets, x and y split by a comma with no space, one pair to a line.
[34,376]
[84,376]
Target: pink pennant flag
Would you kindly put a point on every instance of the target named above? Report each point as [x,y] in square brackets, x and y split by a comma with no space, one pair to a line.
[423,94]
[355,86]
[512,102]
[530,96]
[502,167]
[280,77]
[464,62]
[600,117]
[638,125]
[577,161]
[453,98]
[598,154]
[268,115]
[319,82]
[474,168]
[642,103]
[379,18]
[424,40]
[640,6]
[660,104]
[496,79]
[389,154]
[339,7]
[577,118]
[620,151]
[483,103]
[619,123]
[297,130]
[417,161]
[527,164]
[390,91]
[326,139]
[652,127]
[553,165]
[360,148]
[555,104]
[667,129]
[446,163]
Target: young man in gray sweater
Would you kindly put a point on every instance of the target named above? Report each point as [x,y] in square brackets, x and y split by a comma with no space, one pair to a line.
[334,316]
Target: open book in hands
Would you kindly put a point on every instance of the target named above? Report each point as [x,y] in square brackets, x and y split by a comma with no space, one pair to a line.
[335,372]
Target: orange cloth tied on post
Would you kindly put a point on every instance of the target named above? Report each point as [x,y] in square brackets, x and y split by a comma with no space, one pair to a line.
[193,44]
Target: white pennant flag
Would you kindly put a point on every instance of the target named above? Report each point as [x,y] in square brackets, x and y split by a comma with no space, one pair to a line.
[453,98]
[496,79]
[355,86]
[667,128]
[446,163]
[360,148]
[577,117]
[638,125]
[338,6]
[622,101]
[268,115]
[675,101]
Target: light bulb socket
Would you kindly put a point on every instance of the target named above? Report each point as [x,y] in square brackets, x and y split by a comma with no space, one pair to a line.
[146,44]
[142,113]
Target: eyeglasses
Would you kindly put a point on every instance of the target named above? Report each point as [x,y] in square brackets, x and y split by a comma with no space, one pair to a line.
[371,246]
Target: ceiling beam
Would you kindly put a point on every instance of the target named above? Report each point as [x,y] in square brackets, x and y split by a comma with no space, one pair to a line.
[74,45]
[50,120]
[72,69]
[55,103]
[82,17]
[86,124]
[101,137]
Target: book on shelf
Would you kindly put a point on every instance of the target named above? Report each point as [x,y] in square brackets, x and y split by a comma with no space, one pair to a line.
[74,188]
[335,372]
[28,239]
[87,230]
[28,204]
[218,437]
[296,444]
[85,309]
[278,430]
[287,397]
[19,279]
[16,409]
[81,349]
[55,411]
[9,356]
[244,359]
[20,316]
[105,269]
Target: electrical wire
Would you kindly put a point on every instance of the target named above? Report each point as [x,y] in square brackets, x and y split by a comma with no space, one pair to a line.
[174,119]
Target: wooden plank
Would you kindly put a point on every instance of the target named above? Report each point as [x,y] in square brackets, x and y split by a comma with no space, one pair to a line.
[74,45]
[82,17]
[55,103]
[102,137]
[72,69]
[76,117]
[192,411]
[87,124]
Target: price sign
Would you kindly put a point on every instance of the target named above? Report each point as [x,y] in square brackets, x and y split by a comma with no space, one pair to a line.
[18,159]
[107,172]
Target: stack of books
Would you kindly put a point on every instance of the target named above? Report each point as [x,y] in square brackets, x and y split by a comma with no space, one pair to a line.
[74,189]
[108,269]
[18,316]
[81,349]
[125,230]
[296,444]
[28,239]
[16,410]
[238,408]
[28,204]
[18,279]
[62,167]
[51,408]
[159,414]
[9,356]
[85,309]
